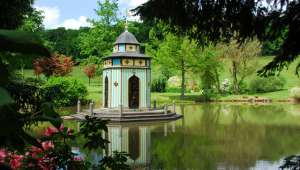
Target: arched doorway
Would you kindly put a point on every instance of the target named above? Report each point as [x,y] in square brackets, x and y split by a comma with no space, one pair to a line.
[106,92]
[133,92]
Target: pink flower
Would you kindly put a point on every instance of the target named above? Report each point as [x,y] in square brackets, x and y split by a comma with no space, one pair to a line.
[70,131]
[77,158]
[16,161]
[3,155]
[61,128]
[47,145]
[50,131]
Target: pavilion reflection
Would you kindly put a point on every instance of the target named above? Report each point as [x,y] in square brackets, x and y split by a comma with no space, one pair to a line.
[134,140]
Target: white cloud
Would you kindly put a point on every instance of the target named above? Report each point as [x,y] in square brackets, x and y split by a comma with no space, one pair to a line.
[135,3]
[76,23]
[128,5]
[51,15]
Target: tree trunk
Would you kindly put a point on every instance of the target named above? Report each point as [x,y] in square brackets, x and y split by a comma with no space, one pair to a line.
[182,80]
[217,81]
[89,81]
[234,78]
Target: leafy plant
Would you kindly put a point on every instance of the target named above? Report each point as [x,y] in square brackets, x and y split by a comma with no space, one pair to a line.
[57,65]
[90,71]
[266,84]
[64,91]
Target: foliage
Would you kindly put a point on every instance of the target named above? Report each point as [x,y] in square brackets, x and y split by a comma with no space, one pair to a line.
[291,162]
[222,20]
[116,162]
[57,65]
[295,93]
[13,13]
[206,95]
[98,41]
[33,21]
[242,57]
[64,91]
[55,151]
[174,53]
[90,71]
[266,84]
[208,66]
[64,41]
[21,103]
[92,129]
[272,47]
[158,84]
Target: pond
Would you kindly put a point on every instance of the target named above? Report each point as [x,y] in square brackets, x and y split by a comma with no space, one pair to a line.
[210,137]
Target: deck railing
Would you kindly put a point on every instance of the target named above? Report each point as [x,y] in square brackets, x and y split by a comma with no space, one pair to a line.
[121,109]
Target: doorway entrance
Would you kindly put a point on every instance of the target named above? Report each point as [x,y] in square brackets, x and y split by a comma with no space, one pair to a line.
[106,92]
[133,92]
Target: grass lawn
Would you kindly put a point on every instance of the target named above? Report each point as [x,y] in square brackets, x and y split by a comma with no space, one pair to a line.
[95,88]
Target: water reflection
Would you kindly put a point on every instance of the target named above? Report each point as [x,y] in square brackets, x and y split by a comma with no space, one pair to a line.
[212,137]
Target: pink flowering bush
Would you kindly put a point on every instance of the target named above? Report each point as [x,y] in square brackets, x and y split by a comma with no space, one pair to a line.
[53,152]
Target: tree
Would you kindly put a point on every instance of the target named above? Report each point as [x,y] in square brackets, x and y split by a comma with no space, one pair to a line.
[64,41]
[98,41]
[33,21]
[13,13]
[243,62]
[174,53]
[57,65]
[208,65]
[223,19]
[90,71]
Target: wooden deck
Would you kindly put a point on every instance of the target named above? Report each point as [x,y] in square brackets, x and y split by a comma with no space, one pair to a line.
[138,115]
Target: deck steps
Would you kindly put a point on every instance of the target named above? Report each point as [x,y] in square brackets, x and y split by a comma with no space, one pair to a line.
[153,115]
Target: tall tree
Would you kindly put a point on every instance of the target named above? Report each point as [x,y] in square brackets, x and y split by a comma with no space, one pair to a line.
[208,66]
[223,19]
[100,38]
[13,13]
[174,53]
[243,62]
[33,22]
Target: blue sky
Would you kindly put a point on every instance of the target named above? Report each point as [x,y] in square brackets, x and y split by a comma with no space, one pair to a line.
[74,13]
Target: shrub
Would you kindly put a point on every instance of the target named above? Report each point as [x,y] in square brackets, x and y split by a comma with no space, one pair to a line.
[295,93]
[159,84]
[57,65]
[206,95]
[64,91]
[266,84]
[90,71]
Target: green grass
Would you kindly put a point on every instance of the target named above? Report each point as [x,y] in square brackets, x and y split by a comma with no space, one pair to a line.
[95,88]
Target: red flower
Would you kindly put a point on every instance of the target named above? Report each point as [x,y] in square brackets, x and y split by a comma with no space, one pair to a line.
[15,161]
[3,155]
[50,131]
[47,145]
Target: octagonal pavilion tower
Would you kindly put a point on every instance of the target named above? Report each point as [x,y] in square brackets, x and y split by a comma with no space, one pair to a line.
[126,75]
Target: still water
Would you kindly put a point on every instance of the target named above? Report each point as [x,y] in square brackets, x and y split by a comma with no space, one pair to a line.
[211,137]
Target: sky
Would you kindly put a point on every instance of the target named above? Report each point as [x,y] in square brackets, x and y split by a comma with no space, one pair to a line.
[73,14]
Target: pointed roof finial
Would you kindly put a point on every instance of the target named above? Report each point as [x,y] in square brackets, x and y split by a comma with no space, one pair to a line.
[126,19]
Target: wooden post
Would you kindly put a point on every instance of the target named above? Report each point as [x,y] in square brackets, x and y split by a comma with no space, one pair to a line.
[154,104]
[166,109]
[78,106]
[92,108]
